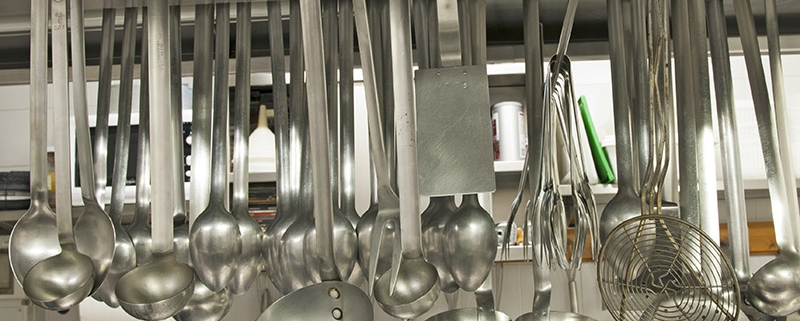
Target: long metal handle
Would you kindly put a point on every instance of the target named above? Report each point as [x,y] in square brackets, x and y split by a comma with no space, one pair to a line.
[85,162]
[640,87]
[280,104]
[176,84]
[376,143]
[318,125]
[405,118]
[728,136]
[103,103]
[779,95]
[219,166]
[346,106]
[786,222]
[241,119]
[121,151]
[58,26]
[534,72]
[201,110]
[38,101]
[297,101]
[161,126]
[620,95]
[330,36]
[143,162]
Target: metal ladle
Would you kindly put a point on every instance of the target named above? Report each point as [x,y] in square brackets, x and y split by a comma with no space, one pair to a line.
[773,289]
[215,243]
[124,251]
[332,298]
[143,292]
[416,287]
[93,228]
[63,280]
[32,239]
[250,231]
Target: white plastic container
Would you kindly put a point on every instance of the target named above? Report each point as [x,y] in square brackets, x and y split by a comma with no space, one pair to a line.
[508,130]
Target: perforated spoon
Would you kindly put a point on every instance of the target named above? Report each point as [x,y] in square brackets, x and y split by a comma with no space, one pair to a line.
[32,239]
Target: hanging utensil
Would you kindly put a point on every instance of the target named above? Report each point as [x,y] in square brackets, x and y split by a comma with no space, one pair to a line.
[485,310]
[732,171]
[284,179]
[64,280]
[386,218]
[434,219]
[143,292]
[416,287]
[93,228]
[349,300]
[772,289]
[32,239]
[181,228]
[139,229]
[215,244]
[124,251]
[250,231]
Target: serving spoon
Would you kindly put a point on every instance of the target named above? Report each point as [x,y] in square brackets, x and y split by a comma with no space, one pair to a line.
[64,280]
[94,229]
[32,239]
[124,250]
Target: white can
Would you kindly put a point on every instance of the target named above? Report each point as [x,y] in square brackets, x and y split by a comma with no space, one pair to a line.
[508,129]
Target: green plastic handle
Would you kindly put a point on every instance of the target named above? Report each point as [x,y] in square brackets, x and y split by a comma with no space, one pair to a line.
[605,174]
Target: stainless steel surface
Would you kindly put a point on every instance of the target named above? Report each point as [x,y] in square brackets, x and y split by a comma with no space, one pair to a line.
[124,258]
[250,231]
[469,244]
[347,154]
[455,138]
[215,244]
[416,288]
[32,239]
[139,229]
[181,228]
[93,228]
[206,304]
[283,165]
[104,103]
[639,86]
[386,218]
[201,111]
[434,218]
[143,292]
[626,203]
[332,300]
[772,289]
[732,170]
[63,280]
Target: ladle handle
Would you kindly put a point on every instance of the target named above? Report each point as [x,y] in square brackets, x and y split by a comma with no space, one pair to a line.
[143,161]
[786,222]
[121,151]
[84,150]
[219,166]
[318,125]
[297,103]
[176,86]
[347,105]
[621,99]
[330,39]
[405,117]
[38,101]
[200,184]
[533,90]
[376,143]
[280,104]
[728,136]
[58,26]
[778,94]
[104,103]
[241,118]
[161,126]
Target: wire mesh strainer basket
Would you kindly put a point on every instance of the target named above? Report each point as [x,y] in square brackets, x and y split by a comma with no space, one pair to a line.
[657,267]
